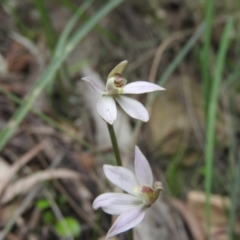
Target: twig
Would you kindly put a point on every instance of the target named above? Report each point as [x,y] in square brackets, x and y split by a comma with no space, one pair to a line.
[193,116]
[20,163]
[28,199]
[162,47]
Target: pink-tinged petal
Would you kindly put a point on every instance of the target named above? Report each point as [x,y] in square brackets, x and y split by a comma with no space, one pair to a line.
[121,177]
[127,220]
[142,169]
[141,87]
[118,69]
[106,107]
[116,203]
[93,84]
[133,108]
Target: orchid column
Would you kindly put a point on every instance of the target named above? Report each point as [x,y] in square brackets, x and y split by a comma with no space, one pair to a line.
[115,91]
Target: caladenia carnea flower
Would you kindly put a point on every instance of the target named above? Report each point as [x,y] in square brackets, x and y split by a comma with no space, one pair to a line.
[140,194]
[116,87]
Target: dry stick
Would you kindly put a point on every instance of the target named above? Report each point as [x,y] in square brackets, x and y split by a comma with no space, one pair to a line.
[20,163]
[27,200]
[75,206]
[46,193]
[197,129]
[162,47]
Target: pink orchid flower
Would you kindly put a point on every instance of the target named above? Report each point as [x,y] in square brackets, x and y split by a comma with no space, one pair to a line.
[117,86]
[130,206]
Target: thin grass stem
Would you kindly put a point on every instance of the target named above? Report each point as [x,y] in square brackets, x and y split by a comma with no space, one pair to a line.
[206,53]
[50,33]
[211,118]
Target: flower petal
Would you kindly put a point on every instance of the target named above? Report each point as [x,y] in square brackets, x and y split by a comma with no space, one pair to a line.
[133,108]
[106,107]
[116,203]
[118,69]
[121,177]
[127,220]
[142,169]
[141,87]
[93,84]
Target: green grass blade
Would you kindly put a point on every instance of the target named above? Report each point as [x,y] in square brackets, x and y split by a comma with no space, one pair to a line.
[211,116]
[206,53]
[234,202]
[15,16]
[67,30]
[51,35]
[49,73]
[69,5]
[180,56]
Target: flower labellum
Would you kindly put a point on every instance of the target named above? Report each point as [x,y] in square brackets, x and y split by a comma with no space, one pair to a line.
[116,87]
[130,206]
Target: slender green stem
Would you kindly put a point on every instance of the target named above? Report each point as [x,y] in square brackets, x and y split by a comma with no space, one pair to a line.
[114,144]
[131,234]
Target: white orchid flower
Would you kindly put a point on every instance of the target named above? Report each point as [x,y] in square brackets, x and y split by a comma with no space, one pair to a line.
[131,206]
[115,88]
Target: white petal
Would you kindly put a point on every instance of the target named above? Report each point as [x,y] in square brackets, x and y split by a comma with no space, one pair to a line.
[118,69]
[106,107]
[116,203]
[141,87]
[121,177]
[133,108]
[142,168]
[127,220]
[93,84]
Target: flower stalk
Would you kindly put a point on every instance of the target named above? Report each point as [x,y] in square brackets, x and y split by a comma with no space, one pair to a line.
[140,192]
[114,144]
